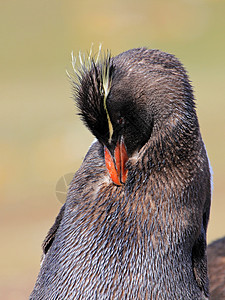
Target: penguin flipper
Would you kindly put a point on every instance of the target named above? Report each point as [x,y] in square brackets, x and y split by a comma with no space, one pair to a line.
[52,231]
[199,260]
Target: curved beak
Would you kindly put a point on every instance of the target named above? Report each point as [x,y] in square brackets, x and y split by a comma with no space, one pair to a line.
[116,164]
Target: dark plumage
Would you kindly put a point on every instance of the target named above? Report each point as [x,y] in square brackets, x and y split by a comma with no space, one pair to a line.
[216,266]
[135,220]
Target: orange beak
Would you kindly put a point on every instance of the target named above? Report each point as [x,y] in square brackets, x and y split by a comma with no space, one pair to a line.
[116,165]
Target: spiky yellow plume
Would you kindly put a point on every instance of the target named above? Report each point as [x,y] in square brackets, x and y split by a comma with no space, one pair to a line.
[102,61]
[106,85]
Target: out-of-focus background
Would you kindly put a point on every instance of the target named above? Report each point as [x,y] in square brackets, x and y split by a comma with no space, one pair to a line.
[42,139]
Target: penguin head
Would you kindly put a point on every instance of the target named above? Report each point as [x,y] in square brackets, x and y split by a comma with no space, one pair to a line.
[131,99]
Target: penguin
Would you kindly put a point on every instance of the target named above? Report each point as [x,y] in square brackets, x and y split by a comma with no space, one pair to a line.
[216,266]
[135,220]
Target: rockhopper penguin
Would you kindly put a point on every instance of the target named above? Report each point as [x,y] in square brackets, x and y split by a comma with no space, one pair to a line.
[135,220]
[216,267]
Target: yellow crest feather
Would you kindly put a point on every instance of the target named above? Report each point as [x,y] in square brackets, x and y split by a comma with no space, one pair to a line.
[84,64]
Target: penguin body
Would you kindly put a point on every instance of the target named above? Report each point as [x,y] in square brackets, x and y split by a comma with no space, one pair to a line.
[135,220]
[216,266]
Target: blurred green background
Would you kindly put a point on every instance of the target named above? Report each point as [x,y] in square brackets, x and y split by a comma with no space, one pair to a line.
[42,138]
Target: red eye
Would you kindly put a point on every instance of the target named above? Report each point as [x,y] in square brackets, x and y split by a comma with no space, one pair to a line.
[121,121]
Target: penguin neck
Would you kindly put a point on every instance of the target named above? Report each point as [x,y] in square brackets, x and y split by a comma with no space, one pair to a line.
[171,145]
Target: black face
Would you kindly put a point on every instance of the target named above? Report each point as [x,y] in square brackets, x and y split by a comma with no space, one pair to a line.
[129,119]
